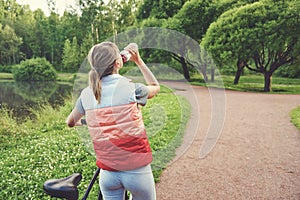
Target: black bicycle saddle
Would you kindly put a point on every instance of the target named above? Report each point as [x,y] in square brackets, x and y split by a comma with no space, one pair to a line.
[63,188]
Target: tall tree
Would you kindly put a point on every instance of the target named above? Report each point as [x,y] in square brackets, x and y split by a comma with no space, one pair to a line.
[125,14]
[54,42]
[71,55]
[193,19]
[70,26]
[9,45]
[40,48]
[25,28]
[92,18]
[262,36]
[160,9]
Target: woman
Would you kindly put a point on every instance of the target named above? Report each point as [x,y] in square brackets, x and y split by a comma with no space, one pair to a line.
[111,106]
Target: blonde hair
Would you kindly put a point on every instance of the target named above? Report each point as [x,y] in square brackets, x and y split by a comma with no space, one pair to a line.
[101,58]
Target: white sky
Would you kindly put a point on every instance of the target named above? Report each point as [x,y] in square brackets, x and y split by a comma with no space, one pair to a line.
[61,5]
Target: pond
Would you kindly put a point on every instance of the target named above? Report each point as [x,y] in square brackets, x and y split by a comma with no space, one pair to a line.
[23,96]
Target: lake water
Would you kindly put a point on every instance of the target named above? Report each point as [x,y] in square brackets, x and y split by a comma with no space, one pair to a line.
[21,96]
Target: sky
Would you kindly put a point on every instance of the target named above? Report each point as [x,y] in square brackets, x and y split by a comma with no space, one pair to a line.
[61,5]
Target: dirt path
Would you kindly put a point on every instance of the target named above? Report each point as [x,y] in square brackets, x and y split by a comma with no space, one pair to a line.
[257,155]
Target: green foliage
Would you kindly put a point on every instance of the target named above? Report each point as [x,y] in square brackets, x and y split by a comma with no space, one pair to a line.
[195,17]
[71,53]
[40,150]
[162,9]
[264,35]
[289,71]
[295,117]
[9,45]
[35,69]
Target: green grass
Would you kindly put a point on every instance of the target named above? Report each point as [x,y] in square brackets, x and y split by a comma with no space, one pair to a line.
[252,83]
[63,77]
[295,117]
[44,148]
[6,76]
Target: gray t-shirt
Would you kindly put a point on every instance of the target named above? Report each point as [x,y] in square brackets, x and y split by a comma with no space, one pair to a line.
[115,90]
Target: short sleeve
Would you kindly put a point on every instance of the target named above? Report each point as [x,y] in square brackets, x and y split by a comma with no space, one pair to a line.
[141,93]
[79,106]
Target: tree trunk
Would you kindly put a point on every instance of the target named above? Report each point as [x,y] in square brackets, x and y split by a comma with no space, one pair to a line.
[203,71]
[268,80]
[212,74]
[185,68]
[240,67]
[238,75]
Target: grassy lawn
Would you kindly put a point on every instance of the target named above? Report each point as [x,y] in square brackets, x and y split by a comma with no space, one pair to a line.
[295,117]
[45,148]
[64,77]
[6,76]
[253,83]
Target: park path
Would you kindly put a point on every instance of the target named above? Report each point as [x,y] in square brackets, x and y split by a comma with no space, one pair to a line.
[257,155]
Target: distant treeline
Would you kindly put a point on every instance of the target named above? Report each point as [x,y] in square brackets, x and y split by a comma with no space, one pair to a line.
[259,35]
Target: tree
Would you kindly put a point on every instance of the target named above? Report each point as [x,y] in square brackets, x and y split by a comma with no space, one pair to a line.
[54,42]
[71,55]
[160,9]
[25,28]
[39,48]
[192,19]
[9,45]
[124,14]
[92,19]
[261,36]
[71,27]
[159,14]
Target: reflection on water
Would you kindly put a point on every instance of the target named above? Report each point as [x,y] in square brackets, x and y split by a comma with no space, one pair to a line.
[21,96]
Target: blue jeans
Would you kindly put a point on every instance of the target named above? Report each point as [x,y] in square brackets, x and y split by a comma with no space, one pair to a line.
[139,182]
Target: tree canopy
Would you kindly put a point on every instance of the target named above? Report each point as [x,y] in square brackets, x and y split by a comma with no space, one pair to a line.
[261,36]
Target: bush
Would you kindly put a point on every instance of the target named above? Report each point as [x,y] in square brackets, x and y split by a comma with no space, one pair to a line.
[35,69]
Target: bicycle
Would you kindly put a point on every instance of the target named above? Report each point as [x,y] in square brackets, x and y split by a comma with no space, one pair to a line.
[66,188]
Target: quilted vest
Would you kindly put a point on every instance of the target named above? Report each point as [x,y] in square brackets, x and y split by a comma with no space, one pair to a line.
[119,137]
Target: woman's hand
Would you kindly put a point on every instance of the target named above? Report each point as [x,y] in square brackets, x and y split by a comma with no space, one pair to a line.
[74,118]
[135,55]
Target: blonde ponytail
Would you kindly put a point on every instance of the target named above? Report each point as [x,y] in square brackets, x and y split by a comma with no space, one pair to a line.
[95,84]
[101,58]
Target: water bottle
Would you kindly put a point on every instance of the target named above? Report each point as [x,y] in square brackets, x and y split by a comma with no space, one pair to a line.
[125,54]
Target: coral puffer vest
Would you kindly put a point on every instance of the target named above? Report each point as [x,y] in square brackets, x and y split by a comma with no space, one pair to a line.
[119,137]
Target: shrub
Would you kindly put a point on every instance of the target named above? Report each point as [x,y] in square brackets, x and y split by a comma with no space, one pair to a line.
[35,69]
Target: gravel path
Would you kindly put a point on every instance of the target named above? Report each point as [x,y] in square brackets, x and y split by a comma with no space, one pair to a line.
[257,155]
